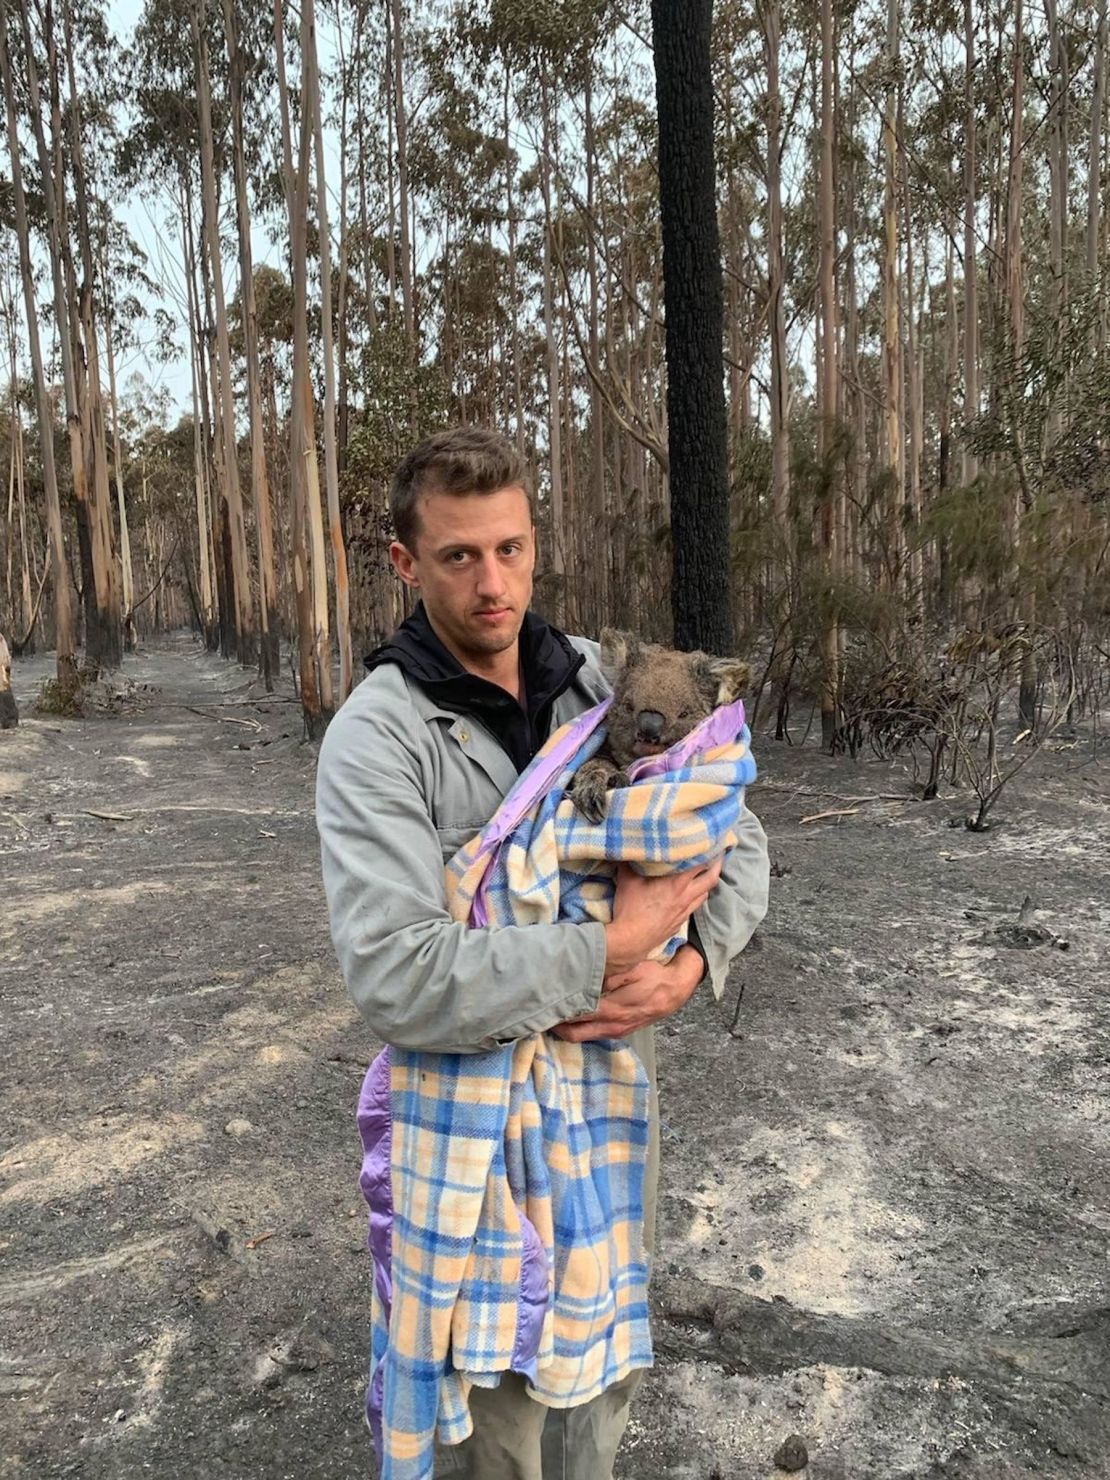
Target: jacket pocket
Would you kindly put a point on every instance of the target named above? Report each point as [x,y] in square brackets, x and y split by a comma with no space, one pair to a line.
[452,838]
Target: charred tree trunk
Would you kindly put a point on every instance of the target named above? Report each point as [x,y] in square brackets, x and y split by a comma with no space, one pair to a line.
[701,597]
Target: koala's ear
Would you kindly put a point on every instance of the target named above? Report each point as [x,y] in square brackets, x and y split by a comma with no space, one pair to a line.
[617,650]
[724,679]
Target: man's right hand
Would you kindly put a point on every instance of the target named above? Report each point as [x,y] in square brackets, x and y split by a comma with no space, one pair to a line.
[647,912]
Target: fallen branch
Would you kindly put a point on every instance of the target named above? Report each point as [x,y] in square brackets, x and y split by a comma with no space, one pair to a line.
[230,703]
[801,791]
[746,1335]
[838,812]
[259,1238]
[221,719]
[110,816]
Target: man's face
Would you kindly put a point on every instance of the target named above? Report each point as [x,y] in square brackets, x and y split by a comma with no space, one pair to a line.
[472,563]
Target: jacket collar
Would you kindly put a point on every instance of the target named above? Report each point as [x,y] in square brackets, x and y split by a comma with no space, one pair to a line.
[548,659]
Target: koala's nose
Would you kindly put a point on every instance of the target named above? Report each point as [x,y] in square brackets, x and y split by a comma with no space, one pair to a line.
[649,724]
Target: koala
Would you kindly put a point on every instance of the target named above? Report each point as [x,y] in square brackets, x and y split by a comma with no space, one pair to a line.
[659,695]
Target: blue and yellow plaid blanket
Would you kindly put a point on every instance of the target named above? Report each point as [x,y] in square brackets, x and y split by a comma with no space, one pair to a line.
[541,1138]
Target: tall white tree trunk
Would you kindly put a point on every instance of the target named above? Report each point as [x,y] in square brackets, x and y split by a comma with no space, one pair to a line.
[59,569]
[331,462]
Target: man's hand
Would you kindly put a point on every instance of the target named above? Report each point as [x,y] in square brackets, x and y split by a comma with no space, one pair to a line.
[637,997]
[648,912]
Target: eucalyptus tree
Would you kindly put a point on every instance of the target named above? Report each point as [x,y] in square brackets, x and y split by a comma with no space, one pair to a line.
[64,635]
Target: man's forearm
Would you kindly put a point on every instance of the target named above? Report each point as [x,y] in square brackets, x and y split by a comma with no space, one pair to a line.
[645,995]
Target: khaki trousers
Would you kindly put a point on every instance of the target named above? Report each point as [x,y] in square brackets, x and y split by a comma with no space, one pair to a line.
[516,1438]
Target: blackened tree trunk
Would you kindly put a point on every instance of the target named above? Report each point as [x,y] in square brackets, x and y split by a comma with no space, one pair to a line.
[694,299]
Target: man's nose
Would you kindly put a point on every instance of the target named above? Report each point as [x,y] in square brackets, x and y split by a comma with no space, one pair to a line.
[491,578]
[650,724]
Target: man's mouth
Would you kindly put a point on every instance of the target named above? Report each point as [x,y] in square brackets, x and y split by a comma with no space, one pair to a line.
[493,614]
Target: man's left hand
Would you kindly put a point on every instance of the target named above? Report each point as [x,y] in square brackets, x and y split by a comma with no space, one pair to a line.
[646,994]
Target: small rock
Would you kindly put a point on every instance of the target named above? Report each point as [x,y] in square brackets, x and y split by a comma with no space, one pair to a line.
[755,1271]
[238,1127]
[267,1372]
[792,1454]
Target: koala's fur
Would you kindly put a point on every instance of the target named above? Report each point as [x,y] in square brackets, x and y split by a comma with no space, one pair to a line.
[659,695]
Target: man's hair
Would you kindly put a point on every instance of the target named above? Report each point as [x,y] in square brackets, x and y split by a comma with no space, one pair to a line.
[460,461]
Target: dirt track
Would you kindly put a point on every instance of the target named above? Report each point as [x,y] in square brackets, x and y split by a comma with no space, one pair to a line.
[887,1208]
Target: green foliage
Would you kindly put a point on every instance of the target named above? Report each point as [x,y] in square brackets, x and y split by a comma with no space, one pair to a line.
[60,699]
[974,524]
[400,404]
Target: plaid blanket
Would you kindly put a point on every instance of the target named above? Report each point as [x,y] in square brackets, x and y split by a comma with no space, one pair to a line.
[541,1139]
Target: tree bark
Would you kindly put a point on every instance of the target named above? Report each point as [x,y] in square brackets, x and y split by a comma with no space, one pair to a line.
[1058,190]
[121,501]
[309,564]
[402,130]
[892,311]
[208,614]
[554,413]
[59,566]
[914,377]
[701,596]
[829,522]
[270,640]
[241,595]
[970,467]
[598,497]
[108,650]
[17,499]
[61,266]
[331,464]
[771,15]
[1094,149]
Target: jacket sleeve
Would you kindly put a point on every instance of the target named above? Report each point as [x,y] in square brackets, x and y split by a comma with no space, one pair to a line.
[421,980]
[727,920]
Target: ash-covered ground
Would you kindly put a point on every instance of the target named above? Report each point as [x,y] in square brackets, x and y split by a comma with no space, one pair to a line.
[886,1210]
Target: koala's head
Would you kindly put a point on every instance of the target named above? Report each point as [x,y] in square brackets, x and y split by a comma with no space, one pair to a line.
[659,695]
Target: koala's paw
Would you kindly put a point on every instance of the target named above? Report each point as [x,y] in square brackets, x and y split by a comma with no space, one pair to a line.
[588,790]
[588,795]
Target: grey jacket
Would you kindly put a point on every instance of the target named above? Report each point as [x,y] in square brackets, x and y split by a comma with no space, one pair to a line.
[400,786]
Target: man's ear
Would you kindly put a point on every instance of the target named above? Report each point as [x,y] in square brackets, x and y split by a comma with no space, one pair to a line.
[724,679]
[404,564]
[618,649]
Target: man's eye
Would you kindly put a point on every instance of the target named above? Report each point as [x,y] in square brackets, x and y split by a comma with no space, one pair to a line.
[510,549]
[456,557]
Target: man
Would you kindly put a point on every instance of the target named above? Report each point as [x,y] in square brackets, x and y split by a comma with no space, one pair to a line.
[456,704]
